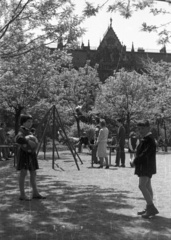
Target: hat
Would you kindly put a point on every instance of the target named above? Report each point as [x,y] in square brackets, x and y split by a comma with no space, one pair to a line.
[119,120]
[143,123]
[24,118]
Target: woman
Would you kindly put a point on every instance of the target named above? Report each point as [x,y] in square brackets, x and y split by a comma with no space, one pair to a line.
[133,142]
[102,144]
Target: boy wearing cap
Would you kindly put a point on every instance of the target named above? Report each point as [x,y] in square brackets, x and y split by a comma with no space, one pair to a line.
[27,158]
[145,167]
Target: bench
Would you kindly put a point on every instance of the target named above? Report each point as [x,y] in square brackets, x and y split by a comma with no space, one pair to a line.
[111,147]
[13,146]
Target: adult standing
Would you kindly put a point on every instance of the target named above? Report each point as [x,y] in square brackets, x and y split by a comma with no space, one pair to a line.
[94,145]
[120,151]
[145,167]
[102,144]
[3,151]
[133,142]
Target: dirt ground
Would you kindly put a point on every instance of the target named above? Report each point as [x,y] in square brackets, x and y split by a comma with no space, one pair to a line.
[89,204]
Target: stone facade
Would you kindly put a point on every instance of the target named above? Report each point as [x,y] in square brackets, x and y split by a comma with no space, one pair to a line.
[111,55]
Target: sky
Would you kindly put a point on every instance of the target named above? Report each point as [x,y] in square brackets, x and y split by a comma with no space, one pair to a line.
[127,30]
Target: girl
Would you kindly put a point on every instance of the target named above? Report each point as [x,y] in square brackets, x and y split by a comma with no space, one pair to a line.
[27,158]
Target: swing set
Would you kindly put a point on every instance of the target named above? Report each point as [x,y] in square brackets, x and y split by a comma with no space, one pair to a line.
[53,121]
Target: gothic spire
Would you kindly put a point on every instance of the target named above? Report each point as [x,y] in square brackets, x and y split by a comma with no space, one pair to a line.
[88,44]
[110,22]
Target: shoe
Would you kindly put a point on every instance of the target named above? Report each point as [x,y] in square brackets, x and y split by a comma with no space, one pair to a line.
[24,199]
[107,167]
[116,165]
[142,212]
[100,167]
[39,197]
[150,212]
[122,166]
[131,163]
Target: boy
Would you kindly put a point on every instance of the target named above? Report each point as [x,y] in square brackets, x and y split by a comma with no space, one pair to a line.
[145,167]
[27,158]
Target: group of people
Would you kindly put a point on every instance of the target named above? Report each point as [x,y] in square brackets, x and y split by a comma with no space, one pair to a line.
[142,157]
[101,139]
[5,139]
[101,143]
[144,160]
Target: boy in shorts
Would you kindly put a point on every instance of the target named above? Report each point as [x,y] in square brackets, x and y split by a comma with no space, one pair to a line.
[145,167]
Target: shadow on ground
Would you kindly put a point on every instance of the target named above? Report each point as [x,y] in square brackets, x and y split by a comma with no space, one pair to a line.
[72,212]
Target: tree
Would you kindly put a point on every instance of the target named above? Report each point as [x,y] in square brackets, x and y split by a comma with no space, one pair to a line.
[127,8]
[124,95]
[77,88]
[132,96]
[26,80]
[160,79]
[45,20]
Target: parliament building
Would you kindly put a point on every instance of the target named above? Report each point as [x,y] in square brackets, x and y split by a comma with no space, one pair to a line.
[111,55]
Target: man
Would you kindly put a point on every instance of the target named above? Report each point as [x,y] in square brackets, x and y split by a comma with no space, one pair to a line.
[145,167]
[120,152]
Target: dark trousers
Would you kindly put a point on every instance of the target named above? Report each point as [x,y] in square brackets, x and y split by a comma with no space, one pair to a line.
[120,155]
[94,151]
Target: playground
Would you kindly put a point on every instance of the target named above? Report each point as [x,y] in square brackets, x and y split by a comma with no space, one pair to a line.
[89,203]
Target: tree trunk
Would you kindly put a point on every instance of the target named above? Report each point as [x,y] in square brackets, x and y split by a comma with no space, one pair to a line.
[79,132]
[128,123]
[78,126]
[17,118]
[165,136]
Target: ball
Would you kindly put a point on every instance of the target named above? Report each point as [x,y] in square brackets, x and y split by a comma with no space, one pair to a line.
[32,144]
[32,138]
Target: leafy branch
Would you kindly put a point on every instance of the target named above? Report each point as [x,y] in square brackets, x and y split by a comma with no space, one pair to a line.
[17,13]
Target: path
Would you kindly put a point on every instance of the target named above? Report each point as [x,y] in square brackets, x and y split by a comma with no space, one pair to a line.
[90,204]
